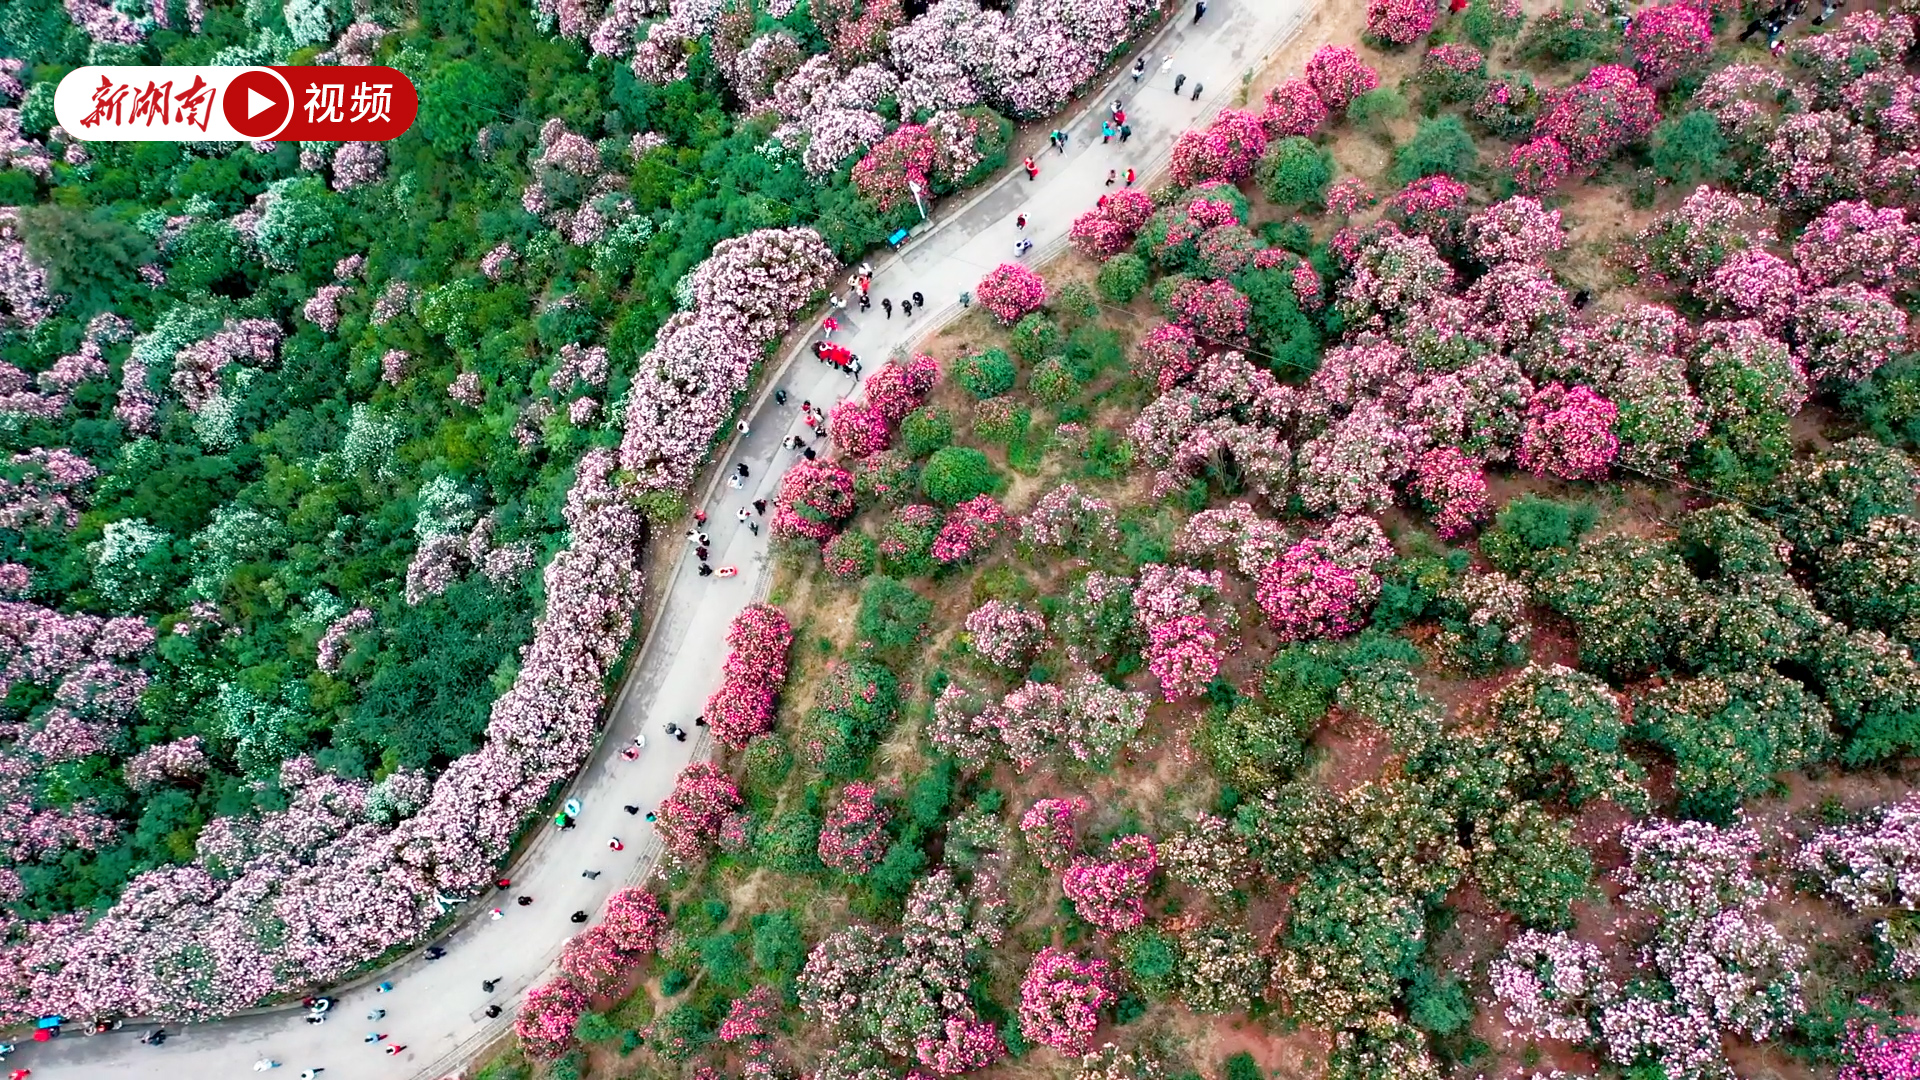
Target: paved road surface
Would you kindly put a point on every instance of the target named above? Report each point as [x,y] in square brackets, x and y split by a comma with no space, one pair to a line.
[436,1009]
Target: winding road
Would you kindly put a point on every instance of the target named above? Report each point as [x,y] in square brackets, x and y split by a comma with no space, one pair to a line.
[437,1009]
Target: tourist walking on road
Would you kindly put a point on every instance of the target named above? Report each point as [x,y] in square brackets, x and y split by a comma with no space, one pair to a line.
[1126,132]
[1020,222]
[264,1064]
[1139,68]
[1196,91]
[395,1048]
[1167,64]
[1130,177]
[308,1074]
[1106,132]
[918,300]
[1199,9]
[578,916]
[887,306]
[1033,171]
[1112,174]
[1179,81]
[489,984]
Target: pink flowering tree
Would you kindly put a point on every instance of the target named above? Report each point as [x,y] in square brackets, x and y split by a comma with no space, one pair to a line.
[1434,207]
[970,531]
[694,816]
[1061,998]
[1818,158]
[859,429]
[1067,521]
[1669,40]
[1214,310]
[1881,1051]
[1226,149]
[595,963]
[1516,230]
[545,1024]
[965,1043]
[1857,241]
[1399,22]
[1167,354]
[1323,586]
[1453,489]
[1539,166]
[897,389]
[1843,333]
[634,920]
[1111,893]
[1048,830]
[1569,434]
[1754,284]
[1598,116]
[815,498]
[1186,637]
[1006,635]
[1109,228]
[1338,75]
[751,675]
[1011,291]
[1293,108]
[854,836]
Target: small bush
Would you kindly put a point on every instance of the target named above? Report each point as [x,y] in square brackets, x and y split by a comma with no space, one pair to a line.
[1441,146]
[1688,150]
[958,473]
[925,430]
[1122,277]
[1053,382]
[1295,172]
[1377,106]
[986,374]
[1035,336]
[1531,529]
[1074,302]
[1241,1066]
[1485,23]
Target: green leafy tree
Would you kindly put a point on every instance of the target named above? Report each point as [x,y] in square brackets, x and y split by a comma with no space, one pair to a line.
[1035,336]
[1439,146]
[1295,172]
[1731,734]
[1567,729]
[955,474]
[925,430]
[985,374]
[1530,867]
[1122,277]
[1626,598]
[892,616]
[1688,150]
[855,705]
[1531,531]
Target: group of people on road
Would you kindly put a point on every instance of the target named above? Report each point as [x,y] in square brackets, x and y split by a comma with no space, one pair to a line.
[1776,19]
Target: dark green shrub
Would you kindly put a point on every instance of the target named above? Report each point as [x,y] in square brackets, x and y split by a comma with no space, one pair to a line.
[1532,530]
[892,616]
[958,473]
[1241,1066]
[1377,106]
[985,374]
[1687,150]
[1295,172]
[1122,277]
[1438,1004]
[1730,734]
[1152,961]
[1052,382]
[1441,145]
[790,844]
[1627,599]
[855,706]
[925,430]
[1530,867]
[1035,336]
[594,1027]
[1486,22]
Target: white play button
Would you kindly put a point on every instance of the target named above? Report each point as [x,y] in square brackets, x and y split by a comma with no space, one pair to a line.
[258,103]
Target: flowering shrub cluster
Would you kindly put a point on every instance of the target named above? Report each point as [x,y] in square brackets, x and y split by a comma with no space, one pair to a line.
[1874,867]
[1669,40]
[1061,998]
[1338,75]
[1599,115]
[1225,150]
[1323,586]
[1569,434]
[1006,635]
[1399,22]
[750,678]
[971,530]
[1186,635]
[1011,291]
[854,836]
[1111,893]
[1068,522]
[815,498]
[1109,228]
[703,808]
[1048,830]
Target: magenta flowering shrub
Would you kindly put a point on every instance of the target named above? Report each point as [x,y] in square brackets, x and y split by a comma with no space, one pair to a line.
[1818,158]
[1186,637]
[333,644]
[1323,586]
[1166,355]
[1747,100]
[1390,276]
[1006,635]
[1048,830]
[23,283]
[197,368]
[1111,893]
[1599,115]
[1293,108]
[633,920]
[1338,75]
[1569,434]
[1226,149]
[1109,228]
[1350,195]
[965,725]
[860,430]
[693,817]
[545,1024]
[1516,230]
[181,759]
[815,498]
[1843,333]
[1400,22]
[854,836]
[1692,240]
[1754,284]
[1061,998]
[906,539]
[1434,207]
[1011,291]
[1453,489]
[594,963]
[751,676]
[1067,522]
[1669,40]
[907,154]
[970,531]
[1873,867]
[1215,311]
[964,1044]
[1881,1052]
[1852,241]
[1232,536]
[897,389]
[1539,166]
